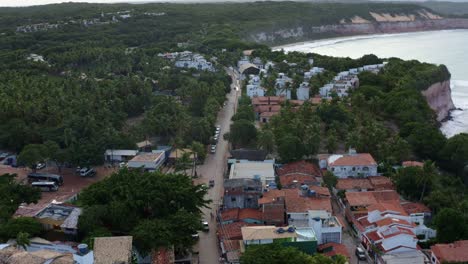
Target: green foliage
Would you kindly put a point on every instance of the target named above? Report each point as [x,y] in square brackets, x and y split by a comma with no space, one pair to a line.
[243,133]
[22,240]
[14,226]
[276,253]
[455,153]
[12,194]
[411,182]
[451,226]
[159,209]
[32,154]
[330,179]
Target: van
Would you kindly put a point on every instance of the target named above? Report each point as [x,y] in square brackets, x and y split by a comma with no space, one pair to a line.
[45,177]
[45,186]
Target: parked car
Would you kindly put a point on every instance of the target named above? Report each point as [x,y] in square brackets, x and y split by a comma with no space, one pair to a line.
[40,166]
[213,149]
[211,183]
[122,164]
[360,253]
[87,172]
[3,155]
[215,138]
[195,236]
[205,225]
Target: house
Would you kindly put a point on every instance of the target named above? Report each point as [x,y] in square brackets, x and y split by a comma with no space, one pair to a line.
[231,231]
[351,165]
[242,193]
[41,251]
[119,155]
[261,170]
[111,250]
[295,174]
[406,257]
[144,146]
[327,228]
[268,100]
[147,161]
[302,238]
[332,249]
[230,250]
[273,210]
[299,203]
[281,86]
[254,90]
[248,68]
[303,91]
[247,215]
[375,183]
[456,252]
[60,217]
[248,154]
[194,61]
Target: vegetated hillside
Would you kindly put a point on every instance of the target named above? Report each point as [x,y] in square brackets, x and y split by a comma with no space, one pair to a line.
[219,21]
[448,8]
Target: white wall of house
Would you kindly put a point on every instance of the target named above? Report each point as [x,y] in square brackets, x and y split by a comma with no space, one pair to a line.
[258,242]
[347,171]
[303,93]
[254,90]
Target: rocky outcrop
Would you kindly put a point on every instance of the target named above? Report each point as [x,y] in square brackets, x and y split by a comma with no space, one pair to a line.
[439,98]
[305,32]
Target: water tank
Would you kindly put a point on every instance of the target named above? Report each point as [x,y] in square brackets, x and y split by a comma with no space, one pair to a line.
[312,193]
[83,249]
[280,230]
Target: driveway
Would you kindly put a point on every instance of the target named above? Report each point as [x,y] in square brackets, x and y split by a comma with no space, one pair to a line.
[214,168]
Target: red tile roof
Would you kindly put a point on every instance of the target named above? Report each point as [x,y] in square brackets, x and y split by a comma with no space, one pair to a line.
[411,163]
[359,159]
[315,100]
[454,252]
[230,214]
[321,191]
[412,208]
[368,198]
[268,114]
[271,196]
[231,231]
[392,221]
[297,203]
[267,108]
[332,249]
[268,100]
[300,167]
[381,183]
[392,205]
[349,183]
[296,180]
[274,213]
[250,213]
[231,245]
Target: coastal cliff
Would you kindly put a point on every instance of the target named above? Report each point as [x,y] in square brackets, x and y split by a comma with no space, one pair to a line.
[380,24]
[439,98]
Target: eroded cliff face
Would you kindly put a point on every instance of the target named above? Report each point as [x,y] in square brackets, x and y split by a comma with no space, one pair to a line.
[358,26]
[439,98]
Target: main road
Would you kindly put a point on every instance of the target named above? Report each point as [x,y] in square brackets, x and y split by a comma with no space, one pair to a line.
[214,168]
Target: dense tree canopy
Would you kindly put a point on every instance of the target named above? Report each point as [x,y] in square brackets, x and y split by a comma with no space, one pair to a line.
[157,209]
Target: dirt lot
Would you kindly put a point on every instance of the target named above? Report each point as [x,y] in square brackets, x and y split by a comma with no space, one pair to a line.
[72,184]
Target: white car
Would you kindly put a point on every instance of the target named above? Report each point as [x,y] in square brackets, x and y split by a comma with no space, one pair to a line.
[205,225]
[40,166]
[216,137]
[213,149]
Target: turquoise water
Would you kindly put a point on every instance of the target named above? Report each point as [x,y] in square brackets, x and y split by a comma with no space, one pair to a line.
[447,47]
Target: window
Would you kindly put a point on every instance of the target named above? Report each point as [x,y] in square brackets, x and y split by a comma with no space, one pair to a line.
[333,169]
[354,168]
[233,199]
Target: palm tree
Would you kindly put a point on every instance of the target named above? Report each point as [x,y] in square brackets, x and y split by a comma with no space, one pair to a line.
[22,240]
[428,173]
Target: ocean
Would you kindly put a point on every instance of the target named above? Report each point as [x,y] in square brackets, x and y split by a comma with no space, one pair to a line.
[447,47]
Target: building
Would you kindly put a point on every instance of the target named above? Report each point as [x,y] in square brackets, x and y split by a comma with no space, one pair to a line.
[119,155]
[60,217]
[178,153]
[111,250]
[302,238]
[194,61]
[273,211]
[247,154]
[262,171]
[147,161]
[247,215]
[242,193]
[282,86]
[295,174]
[248,68]
[327,228]
[456,252]
[375,183]
[411,163]
[303,91]
[351,165]
[254,88]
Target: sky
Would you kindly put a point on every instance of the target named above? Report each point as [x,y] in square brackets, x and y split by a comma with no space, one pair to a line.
[44,2]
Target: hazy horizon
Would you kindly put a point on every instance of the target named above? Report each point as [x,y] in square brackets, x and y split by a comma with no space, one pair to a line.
[22,3]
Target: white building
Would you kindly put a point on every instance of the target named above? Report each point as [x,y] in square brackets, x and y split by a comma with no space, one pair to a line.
[303,92]
[261,235]
[119,155]
[253,87]
[281,86]
[351,164]
[312,72]
[327,228]
[262,170]
[194,61]
[147,161]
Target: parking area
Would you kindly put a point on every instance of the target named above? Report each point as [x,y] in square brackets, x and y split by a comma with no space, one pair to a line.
[72,185]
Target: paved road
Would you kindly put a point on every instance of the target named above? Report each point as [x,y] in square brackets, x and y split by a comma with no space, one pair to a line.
[214,168]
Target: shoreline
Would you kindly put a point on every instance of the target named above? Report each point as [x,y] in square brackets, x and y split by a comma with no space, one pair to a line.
[348,38]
